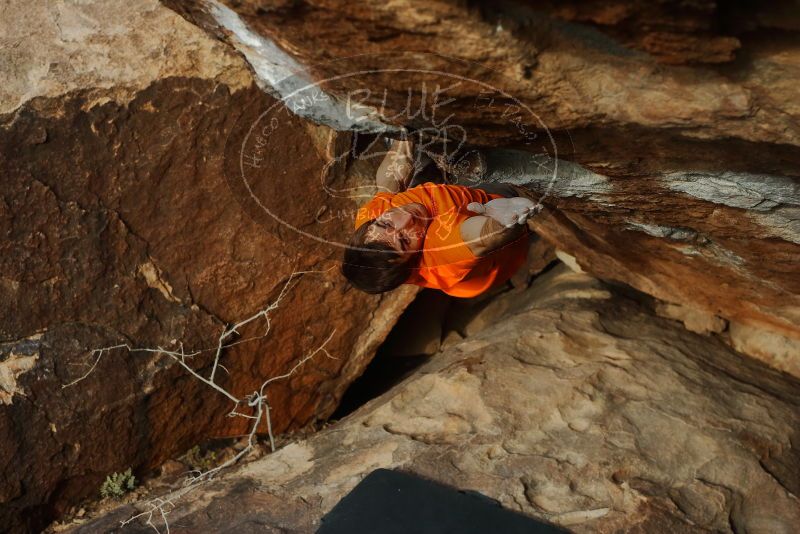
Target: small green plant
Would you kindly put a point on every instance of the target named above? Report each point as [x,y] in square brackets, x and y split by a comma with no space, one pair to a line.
[196,459]
[118,484]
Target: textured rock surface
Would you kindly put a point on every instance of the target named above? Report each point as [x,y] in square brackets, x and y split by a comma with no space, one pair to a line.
[681,118]
[572,404]
[121,222]
[117,224]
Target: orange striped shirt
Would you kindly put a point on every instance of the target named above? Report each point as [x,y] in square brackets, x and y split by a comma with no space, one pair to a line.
[447,263]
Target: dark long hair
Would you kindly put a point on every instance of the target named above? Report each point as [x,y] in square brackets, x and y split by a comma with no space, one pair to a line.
[374,267]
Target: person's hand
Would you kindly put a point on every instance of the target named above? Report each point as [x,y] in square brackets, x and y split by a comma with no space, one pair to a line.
[506,211]
[397,168]
[404,146]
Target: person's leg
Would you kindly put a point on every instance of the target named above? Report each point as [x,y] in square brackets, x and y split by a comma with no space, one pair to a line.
[463,168]
[498,188]
[425,171]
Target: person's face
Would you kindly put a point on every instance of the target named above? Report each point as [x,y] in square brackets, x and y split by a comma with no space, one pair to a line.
[402,228]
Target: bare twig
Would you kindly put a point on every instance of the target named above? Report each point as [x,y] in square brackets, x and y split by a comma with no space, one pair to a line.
[256,402]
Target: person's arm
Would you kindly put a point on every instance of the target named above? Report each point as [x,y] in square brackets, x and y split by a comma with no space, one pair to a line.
[501,221]
[484,235]
[396,169]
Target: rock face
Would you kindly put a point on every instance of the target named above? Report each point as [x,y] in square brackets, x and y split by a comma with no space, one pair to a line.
[675,125]
[120,223]
[167,166]
[572,404]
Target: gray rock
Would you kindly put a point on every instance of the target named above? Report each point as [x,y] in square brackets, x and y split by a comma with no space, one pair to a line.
[574,405]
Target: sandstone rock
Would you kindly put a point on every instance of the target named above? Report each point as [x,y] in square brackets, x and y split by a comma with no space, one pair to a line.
[570,261]
[124,219]
[541,254]
[676,179]
[560,283]
[570,75]
[696,321]
[121,221]
[575,406]
[668,271]
[667,29]
[172,467]
[780,351]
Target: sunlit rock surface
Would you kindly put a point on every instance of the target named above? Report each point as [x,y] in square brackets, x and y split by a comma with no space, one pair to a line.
[572,404]
[119,223]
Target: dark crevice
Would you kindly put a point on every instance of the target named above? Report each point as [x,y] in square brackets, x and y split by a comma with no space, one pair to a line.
[384,372]
[390,366]
[415,339]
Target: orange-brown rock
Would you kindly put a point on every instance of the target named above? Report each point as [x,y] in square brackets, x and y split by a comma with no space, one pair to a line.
[568,402]
[671,131]
[120,222]
[680,180]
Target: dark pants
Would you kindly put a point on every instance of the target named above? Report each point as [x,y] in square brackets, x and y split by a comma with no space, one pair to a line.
[431,173]
[498,188]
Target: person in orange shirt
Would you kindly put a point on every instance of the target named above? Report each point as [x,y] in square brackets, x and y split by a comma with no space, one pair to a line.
[461,240]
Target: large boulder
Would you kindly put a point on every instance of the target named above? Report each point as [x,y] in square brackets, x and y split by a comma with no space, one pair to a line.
[674,125]
[122,221]
[571,403]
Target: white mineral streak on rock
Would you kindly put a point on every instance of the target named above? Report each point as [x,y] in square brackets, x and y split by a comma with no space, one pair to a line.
[668,232]
[773,201]
[759,192]
[282,76]
[546,175]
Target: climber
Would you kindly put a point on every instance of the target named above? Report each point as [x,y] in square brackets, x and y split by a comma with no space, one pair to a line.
[461,240]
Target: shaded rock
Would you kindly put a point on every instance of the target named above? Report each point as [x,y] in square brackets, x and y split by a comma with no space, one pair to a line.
[677,179]
[541,254]
[419,330]
[673,32]
[559,283]
[702,276]
[121,221]
[581,408]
